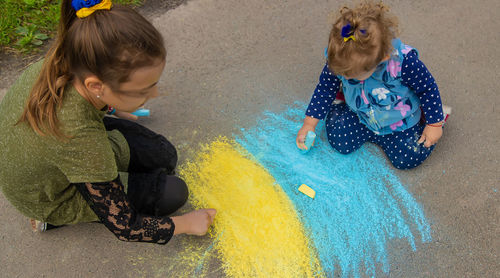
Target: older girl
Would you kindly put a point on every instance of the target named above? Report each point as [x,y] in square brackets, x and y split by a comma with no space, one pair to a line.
[61,157]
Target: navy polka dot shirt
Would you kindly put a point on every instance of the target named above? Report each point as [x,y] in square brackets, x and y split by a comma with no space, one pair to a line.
[414,74]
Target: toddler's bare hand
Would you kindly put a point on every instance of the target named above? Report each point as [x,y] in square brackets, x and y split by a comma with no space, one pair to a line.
[309,125]
[301,136]
[430,135]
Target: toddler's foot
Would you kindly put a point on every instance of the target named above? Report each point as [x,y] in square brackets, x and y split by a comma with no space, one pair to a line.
[446,112]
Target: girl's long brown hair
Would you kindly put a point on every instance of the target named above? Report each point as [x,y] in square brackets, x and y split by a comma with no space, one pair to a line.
[373,28]
[109,44]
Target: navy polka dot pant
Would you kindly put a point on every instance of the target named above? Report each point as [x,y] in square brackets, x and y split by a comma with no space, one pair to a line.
[346,134]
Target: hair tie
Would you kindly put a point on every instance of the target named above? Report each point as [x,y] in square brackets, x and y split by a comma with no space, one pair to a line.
[85,8]
[347,33]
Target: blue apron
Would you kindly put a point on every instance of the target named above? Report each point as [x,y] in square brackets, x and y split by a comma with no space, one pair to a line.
[382,102]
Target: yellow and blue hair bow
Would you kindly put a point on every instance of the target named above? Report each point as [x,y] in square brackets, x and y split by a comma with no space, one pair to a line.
[85,8]
[351,37]
[347,33]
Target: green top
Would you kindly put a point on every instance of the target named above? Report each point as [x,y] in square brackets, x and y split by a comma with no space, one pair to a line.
[36,171]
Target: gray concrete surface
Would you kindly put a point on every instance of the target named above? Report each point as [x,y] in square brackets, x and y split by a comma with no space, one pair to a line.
[230,60]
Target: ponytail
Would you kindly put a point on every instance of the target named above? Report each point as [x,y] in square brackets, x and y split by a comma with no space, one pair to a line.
[47,93]
[109,44]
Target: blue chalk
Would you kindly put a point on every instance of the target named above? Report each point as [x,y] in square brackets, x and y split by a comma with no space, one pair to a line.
[310,137]
[141,112]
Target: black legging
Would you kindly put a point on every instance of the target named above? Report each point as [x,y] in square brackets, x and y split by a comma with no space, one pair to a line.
[152,188]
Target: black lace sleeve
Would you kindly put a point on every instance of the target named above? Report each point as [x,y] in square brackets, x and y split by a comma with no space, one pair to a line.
[110,203]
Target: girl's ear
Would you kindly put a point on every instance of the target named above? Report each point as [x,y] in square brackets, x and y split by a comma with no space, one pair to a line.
[94,85]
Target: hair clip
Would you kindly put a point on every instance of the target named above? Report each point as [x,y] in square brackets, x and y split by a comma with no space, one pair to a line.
[85,8]
[347,33]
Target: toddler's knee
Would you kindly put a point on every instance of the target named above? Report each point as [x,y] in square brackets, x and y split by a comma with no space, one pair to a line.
[343,147]
[408,157]
[402,164]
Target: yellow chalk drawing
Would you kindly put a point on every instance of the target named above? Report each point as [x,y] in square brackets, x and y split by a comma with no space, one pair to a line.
[257,228]
[186,256]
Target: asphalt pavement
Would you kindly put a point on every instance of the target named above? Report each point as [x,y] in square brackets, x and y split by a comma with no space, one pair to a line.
[228,61]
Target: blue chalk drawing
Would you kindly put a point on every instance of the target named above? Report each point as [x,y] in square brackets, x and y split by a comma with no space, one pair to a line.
[360,203]
[201,264]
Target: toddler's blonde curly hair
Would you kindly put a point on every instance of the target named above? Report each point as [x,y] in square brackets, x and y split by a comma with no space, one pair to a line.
[373,28]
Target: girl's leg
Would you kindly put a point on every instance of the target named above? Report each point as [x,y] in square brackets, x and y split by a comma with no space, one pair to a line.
[152,188]
[344,131]
[402,148]
[156,193]
[148,150]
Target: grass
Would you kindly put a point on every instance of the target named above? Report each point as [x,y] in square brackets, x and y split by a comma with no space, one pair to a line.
[26,24]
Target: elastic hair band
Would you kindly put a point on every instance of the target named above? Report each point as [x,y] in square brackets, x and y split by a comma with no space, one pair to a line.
[351,37]
[347,33]
[85,8]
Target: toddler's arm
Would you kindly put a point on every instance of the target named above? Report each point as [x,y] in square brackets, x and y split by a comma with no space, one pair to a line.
[324,95]
[415,75]
[320,104]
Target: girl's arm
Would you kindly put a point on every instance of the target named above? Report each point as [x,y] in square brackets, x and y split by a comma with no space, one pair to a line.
[110,203]
[126,115]
[122,114]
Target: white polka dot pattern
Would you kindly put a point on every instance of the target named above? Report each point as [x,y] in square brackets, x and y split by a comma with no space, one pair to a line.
[415,75]
[346,135]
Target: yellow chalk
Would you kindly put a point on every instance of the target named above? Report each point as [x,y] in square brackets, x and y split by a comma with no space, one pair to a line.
[307,190]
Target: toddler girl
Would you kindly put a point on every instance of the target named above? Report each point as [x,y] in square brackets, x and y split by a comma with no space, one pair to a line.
[391,99]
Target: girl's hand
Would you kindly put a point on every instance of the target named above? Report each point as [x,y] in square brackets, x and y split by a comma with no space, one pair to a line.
[309,125]
[194,222]
[126,115]
[430,135]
